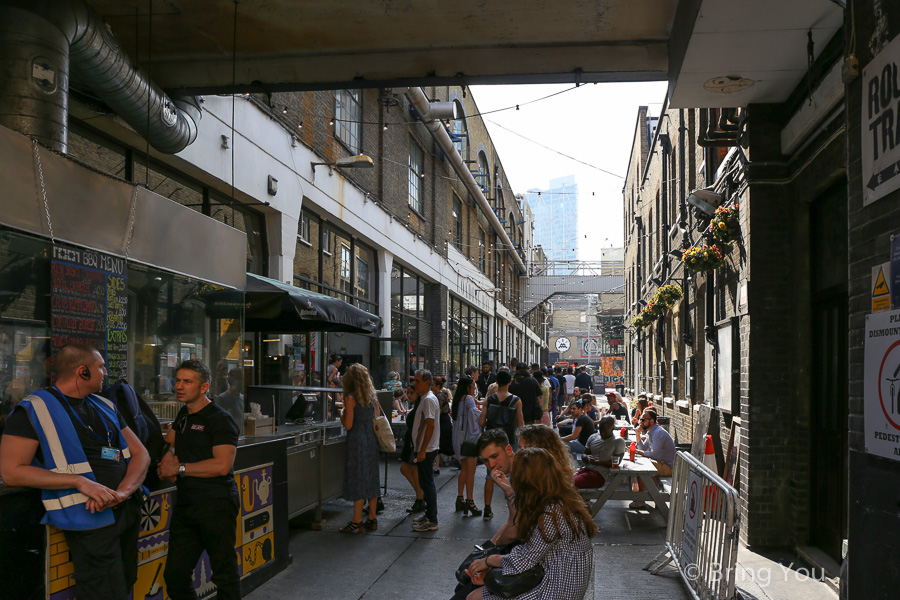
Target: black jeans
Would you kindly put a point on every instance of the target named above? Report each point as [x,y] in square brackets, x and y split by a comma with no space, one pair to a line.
[426,482]
[105,559]
[209,525]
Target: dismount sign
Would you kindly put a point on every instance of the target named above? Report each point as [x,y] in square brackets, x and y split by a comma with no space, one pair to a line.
[881,124]
[882,384]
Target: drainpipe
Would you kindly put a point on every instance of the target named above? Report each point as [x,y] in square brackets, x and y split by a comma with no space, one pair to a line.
[440,135]
[40,39]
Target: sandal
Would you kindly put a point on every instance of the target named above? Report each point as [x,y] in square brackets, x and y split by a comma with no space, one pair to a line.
[371,524]
[469,507]
[352,527]
[460,505]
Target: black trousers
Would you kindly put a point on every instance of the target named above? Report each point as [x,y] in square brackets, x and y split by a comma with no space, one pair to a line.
[209,525]
[105,559]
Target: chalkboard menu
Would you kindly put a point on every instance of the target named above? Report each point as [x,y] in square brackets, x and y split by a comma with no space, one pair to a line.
[90,304]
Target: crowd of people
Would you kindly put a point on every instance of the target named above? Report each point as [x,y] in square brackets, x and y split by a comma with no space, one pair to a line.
[527,425]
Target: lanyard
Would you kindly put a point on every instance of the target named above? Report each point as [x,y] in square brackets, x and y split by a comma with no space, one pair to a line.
[89,430]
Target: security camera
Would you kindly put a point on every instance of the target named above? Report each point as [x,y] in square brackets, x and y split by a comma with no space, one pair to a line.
[705,200]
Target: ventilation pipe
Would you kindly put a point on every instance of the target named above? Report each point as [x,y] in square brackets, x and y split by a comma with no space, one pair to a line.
[39,40]
[423,108]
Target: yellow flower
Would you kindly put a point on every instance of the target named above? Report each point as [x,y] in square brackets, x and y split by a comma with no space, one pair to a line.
[722,225]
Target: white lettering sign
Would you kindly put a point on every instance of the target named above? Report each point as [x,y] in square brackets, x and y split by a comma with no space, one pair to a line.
[881,124]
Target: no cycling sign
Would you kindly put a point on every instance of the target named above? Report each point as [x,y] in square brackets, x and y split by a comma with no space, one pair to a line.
[882,384]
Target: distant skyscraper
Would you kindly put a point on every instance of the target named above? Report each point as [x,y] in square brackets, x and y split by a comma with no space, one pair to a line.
[556,218]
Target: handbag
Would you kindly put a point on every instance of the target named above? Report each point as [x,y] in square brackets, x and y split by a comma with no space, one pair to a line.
[510,586]
[386,441]
[484,551]
[469,449]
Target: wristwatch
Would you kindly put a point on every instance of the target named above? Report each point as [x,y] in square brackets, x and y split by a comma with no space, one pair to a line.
[181,469]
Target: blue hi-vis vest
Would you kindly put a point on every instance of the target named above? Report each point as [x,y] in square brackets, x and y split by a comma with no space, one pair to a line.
[63,454]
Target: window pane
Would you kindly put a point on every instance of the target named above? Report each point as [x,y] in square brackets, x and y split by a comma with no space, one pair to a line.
[396,289]
[410,295]
[416,168]
[348,114]
[251,223]
[330,256]
[365,263]
[306,259]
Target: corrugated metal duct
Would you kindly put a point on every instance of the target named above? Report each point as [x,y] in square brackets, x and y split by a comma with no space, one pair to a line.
[38,73]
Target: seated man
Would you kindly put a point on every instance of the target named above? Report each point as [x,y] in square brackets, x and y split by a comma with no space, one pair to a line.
[564,422]
[616,408]
[582,430]
[598,455]
[655,443]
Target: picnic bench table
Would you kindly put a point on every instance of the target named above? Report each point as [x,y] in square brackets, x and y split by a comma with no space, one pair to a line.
[618,487]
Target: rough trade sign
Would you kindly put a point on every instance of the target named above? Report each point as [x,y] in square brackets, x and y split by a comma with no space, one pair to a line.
[881,124]
[882,384]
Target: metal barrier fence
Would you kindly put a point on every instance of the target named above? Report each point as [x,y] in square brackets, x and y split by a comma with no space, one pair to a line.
[702,534]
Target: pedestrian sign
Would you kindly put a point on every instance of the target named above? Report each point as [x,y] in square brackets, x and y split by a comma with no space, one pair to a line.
[881,293]
[882,384]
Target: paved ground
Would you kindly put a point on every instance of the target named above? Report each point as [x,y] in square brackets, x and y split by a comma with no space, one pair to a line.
[395,562]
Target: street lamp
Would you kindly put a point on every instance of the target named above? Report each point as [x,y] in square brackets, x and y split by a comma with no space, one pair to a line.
[357,161]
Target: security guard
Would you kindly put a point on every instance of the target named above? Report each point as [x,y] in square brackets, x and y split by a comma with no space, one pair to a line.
[75,447]
[203,444]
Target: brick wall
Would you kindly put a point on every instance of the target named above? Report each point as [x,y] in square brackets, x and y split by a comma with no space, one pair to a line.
[873,518]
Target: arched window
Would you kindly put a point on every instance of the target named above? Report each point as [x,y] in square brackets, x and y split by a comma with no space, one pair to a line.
[459,133]
[484,173]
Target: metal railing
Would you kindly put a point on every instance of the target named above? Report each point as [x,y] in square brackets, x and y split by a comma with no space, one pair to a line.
[702,534]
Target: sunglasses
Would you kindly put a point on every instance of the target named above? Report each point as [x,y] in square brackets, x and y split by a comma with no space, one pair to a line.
[642,420]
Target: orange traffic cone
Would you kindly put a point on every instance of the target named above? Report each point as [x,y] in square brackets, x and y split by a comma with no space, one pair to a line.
[710,494]
[709,455]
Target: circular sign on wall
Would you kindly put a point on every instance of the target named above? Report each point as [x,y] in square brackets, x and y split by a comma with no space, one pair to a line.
[563,344]
[591,346]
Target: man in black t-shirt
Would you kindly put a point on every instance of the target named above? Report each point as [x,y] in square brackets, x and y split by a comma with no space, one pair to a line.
[61,427]
[583,380]
[529,390]
[203,444]
[581,431]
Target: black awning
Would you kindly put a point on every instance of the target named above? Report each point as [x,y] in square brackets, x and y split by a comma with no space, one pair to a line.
[278,307]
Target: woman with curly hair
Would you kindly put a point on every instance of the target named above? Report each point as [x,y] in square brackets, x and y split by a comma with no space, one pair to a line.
[361,480]
[554,526]
[541,436]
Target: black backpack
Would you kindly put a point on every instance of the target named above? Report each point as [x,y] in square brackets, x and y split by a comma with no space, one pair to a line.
[140,418]
[502,414]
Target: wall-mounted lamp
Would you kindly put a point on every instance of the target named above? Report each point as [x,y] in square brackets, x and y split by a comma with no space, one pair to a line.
[358,161]
[676,253]
[643,303]
[656,281]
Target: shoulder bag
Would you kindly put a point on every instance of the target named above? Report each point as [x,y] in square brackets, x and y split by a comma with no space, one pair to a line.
[510,586]
[386,441]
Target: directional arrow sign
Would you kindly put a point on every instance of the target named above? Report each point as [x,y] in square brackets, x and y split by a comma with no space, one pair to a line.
[884,176]
[878,144]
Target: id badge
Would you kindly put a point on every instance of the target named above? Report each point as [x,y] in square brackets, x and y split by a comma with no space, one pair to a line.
[108,453]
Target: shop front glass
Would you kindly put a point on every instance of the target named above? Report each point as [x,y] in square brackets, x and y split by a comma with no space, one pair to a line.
[168,319]
[468,336]
[410,317]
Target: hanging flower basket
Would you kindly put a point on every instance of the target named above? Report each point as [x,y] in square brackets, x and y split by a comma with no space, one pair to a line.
[725,226]
[702,258]
[639,322]
[667,296]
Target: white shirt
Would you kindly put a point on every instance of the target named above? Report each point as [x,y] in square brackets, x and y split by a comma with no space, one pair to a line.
[429,408]
[570,383]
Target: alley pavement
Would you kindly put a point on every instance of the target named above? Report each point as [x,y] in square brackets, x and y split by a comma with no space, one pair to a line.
[398,563]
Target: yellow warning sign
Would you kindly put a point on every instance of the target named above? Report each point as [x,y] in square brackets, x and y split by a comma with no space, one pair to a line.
[881,293]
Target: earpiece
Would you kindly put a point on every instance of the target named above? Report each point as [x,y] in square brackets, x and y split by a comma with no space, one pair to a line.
[85,374]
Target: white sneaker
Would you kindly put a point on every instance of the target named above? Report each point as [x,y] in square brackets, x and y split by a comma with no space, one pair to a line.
[420,519]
